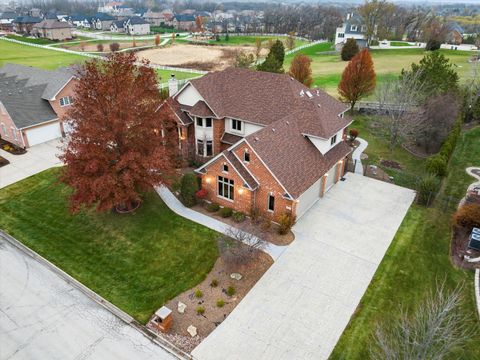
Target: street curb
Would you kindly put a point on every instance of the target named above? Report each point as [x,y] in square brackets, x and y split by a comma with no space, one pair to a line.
[164,344]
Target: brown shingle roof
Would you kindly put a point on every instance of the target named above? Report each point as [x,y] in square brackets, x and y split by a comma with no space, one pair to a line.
[175,107]
[230,139]
[201,109]
[242,171]
[264,98]
[292,158]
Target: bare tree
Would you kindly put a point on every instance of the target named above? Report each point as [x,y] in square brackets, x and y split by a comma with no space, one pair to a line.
[238,246]
[397,100]
[430,333]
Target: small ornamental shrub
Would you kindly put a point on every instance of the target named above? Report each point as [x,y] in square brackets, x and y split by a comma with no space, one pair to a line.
[255,214]
[188,188]
[114,47]
[100,47]
[213,207]
[238,217]
[349,50]
[230,291]
[198,293]
[286,222]
[265,224]
[214,283]
[468,216]
[220,303]
[226,212]
[353,134]
[437,165]
[433,45]
[201,194]
[427,187]
[200,310]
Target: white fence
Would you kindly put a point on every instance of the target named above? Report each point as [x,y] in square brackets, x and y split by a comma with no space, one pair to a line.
[313,43]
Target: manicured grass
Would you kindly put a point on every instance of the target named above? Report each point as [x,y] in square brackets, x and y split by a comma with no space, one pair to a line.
[250,40]
[399,43]
[161,30]
[327,68]
[415,263]
[164,75]
[136,261]
[28,55]
[43,41]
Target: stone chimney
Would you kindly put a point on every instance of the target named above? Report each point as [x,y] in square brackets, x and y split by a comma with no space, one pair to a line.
[172,85]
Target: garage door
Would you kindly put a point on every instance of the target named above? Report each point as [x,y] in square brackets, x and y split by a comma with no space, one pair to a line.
[330,178]
[43,133]
[308,198]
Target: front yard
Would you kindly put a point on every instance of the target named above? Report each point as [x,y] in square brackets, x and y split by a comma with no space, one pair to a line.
[138,262]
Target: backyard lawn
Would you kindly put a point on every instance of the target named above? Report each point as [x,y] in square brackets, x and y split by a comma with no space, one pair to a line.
[137,262]
[327,68]
[250,40]
[415,263]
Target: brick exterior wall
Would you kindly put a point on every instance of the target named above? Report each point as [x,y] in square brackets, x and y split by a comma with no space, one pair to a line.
[61,111]
[7,124]
[218,130]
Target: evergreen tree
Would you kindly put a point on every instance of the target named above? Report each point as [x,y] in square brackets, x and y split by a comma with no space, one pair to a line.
[349,50]
[278,51]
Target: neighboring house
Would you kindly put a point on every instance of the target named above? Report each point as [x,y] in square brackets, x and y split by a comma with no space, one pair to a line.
[184,22]
[110,7]
[6,20]
[154,18]
[267,142]
[117,26]
[352,28]
[52,29]
[137,26]
[101,21]
[79,21]
[24,24]
[454,33]
[33,102]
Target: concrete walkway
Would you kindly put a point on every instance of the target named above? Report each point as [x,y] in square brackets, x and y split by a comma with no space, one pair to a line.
[177,207]
[38,158]
[356,155]
[301,306]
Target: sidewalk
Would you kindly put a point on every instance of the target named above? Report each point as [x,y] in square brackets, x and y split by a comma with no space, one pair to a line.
[177,207]
[356,156]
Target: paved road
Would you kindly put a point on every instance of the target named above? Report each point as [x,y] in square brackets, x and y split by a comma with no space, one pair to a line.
[300,307]
[44,317]
[38,158]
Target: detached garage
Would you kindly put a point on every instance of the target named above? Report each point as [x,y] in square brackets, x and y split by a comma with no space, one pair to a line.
[43,133]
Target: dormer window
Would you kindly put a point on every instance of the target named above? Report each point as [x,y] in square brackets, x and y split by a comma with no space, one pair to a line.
[236,125]
[333,140]
[246,156]
[353,28]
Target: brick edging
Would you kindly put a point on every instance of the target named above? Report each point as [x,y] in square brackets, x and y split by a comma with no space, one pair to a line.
[164,344]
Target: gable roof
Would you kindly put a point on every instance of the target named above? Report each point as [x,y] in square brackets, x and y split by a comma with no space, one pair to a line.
[26,20]
[52,24]
[25,91]
[179,113]
[136,20]
[201,109]
[184,17]
[264,98]
[118,24]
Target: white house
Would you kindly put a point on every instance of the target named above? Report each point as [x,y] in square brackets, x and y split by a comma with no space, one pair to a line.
[137,26]
[352,28]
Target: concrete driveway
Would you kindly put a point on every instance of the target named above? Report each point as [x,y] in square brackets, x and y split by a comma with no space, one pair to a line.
[300,307]
[38,158]
[42,316]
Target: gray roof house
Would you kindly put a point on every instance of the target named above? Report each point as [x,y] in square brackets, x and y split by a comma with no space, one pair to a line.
[353,27]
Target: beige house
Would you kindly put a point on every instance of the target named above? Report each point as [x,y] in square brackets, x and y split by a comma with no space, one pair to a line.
[52,29]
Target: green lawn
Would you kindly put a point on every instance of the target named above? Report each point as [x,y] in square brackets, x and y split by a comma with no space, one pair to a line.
[327,68]
[32,56]
[137,262]
[164,75]
[43,41]
[415,262]
[161,30]
[250,40]
[399,43]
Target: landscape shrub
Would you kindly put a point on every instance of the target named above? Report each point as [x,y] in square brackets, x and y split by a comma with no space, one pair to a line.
[213,207]
[349,50]
[100,47]
[433,45]
[468,216]
[255,214]
[426,187]
[188,188]
[265,224]
[437,165]
[200,310]
[226,212]
[238,216]
[220,303]
[198,293]
[231,291]
[114,47]
[353,134]
[286,222]
[201,194]
[214,283]
[374,43]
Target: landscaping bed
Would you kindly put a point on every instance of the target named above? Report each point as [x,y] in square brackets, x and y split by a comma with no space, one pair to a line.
[211,296]
[11,148]
[459,250]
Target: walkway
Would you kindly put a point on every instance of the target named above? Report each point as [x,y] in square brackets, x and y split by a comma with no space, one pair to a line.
[177,207]
[301,306]
[44,315]
[356,155]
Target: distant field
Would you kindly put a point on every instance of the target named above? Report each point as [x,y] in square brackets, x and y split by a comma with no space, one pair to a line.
[32,56]
[250,40]
[327,68]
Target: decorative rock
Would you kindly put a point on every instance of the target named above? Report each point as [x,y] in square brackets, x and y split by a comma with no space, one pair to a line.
[236,276]
[192,330]
[181,307]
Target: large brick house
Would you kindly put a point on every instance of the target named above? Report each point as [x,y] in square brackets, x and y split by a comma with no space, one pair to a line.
[33,102]
[266,141]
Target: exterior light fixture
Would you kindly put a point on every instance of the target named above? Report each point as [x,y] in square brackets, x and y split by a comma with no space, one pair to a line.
[240,190]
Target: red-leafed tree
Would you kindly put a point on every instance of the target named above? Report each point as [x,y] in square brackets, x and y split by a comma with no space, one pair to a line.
[120,141]
[358,78]
[301,70]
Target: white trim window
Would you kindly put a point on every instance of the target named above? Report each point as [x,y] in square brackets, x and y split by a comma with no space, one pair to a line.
[271,203]
[14,133]
[226,188]
[66,101]
[204,148]
[200,148]
[246,156]
[236,125]
[363,28]
[353,28]
[4,129]
[333,140]
[204,122]
[209,148]
[341,35]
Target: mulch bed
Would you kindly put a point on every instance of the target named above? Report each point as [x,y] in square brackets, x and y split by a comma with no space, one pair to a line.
[213,315]
[11,148]
[459,249]
[3,161]
[391,164]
